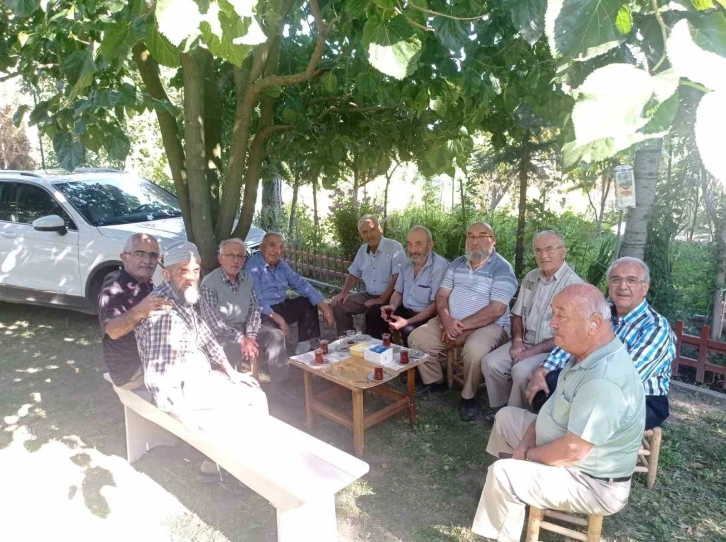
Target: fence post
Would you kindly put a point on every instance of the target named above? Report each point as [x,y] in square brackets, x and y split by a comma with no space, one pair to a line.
[702,354]
[676,363]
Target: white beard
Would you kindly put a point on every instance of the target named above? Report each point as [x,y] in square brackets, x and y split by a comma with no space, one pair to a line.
[191,295]
[477,256]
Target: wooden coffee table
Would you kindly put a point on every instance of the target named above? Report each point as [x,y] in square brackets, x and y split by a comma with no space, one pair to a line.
[352,375]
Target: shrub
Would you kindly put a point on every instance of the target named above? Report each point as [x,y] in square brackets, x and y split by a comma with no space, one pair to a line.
[343,220]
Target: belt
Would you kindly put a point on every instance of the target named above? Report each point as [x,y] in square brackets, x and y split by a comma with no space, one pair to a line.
[611,480]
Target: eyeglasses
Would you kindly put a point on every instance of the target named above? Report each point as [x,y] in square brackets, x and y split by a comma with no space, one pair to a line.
[235,257]
[142,254]
[479,237]
[630,281]
[546,250]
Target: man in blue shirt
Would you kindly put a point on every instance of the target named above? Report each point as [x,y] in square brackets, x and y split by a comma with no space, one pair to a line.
[412,303]
[272,277]
[645,333]
[378,263]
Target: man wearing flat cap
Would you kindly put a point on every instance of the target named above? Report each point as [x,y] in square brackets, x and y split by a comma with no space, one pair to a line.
[185,368]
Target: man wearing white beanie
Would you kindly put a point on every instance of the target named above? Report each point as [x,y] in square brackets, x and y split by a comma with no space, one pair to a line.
[185,368]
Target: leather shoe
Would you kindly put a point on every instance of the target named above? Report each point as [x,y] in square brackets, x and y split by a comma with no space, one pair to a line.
[469,409]
[492,414]
[425,389]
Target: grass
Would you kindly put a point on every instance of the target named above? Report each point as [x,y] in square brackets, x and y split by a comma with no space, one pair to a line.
[62,448]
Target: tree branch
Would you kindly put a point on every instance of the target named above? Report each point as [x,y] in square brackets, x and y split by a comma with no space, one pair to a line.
[334,109]
[9,76]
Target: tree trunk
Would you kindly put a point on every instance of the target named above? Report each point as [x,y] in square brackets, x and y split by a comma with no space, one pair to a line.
[606,182]
[149,72]
[719,282]
[212,133]
[463,206]
[293,206]
[356,183]
[272,203]
[199,200]
[316,218]
[695,213]
[647,160]
[524,167]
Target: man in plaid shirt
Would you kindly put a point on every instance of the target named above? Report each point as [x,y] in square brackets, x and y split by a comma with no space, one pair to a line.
[185,368]
[645,333]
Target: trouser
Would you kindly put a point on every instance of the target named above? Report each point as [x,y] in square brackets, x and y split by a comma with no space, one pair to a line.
[271,342]
[355,304]
[656,406]
[136,381]
[376,326]
[298,310]
[474,345]
[215,404]
[512,484]
[506,381]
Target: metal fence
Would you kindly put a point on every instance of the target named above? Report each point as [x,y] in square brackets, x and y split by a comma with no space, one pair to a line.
[319,266]
[704,346]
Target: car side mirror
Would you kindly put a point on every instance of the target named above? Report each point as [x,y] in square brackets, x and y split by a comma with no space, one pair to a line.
[50,223]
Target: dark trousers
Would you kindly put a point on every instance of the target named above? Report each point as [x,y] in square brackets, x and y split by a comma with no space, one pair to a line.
[656,406]
[298,310]
[273,351]
[376,326]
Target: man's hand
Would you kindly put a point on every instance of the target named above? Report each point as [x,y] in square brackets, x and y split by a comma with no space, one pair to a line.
[280,321]
[339,299]
[374,301]
[519,452]
[250,348]
[384,316]
[152,305]
[537,383]
[451,330]
[244,378]
[328,317]
[517,348]
[397,322]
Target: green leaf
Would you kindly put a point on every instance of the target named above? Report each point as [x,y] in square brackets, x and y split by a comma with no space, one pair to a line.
[117,41]
[528,17]
[709,32]
[366,83]
[272,92]
[385,4]
[623,22]
[69,150]
[117,145]
[696,63]
[710,120]
[114,6]
[329,82]
[178,19]
[393,47]
[450,32]
[162,49]
[79,69]
[21,8]
[223,47]
[702,5]
[581,29]
[19,114]
[356,8]
[289,115]
[662,116]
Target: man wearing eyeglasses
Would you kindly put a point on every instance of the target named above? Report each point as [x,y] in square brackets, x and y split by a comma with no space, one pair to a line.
[646,334]
[123,302]
[508,368]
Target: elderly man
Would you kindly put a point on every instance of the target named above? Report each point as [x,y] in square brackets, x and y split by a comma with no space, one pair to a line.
[123,302]
[185,368]
[229,307]
[646,334]
[579,454]
[412,303]
[272,277]
[378,263]
[508,368]
[473,308]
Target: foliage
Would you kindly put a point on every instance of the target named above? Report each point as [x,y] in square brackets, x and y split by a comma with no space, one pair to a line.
[14,145]
[343,220]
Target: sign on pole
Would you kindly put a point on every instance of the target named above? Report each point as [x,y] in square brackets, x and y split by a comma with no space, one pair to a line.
[624,186]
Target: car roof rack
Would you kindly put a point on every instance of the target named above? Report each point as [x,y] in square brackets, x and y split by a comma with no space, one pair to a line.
[21,172]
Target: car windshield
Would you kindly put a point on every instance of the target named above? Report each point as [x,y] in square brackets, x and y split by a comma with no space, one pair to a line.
[121,199]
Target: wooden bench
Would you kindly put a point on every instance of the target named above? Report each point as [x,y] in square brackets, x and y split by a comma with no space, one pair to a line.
[297,473]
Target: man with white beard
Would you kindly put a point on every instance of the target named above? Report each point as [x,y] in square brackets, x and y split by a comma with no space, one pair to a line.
[472,306]
[185,368]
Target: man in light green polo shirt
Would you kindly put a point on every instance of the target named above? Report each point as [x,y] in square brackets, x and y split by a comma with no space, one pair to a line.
[578,455]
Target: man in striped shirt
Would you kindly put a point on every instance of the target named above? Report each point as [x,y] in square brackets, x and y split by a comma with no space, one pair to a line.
[646,334]
[472,304]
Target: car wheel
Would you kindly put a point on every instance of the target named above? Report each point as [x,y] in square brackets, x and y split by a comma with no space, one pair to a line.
[94,289]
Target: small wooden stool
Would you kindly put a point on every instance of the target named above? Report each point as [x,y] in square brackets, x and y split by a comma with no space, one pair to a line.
[648,455]
[454,367]
[536,522]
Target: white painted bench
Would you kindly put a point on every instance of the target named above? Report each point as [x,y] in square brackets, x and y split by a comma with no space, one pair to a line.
[297,473]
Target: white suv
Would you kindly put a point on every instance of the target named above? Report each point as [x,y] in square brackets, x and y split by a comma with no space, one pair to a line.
[60,235]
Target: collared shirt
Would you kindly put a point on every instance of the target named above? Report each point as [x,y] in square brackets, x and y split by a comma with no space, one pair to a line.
[271,283]
[471,291]
[175,347]
[120,293]
[600,400]
[534,302]
[419,291]
[650,342]
[376,269]
[209,307]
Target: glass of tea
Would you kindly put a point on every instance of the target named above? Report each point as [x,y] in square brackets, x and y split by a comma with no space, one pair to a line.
[386,339]
[404,357]
[389,313]
[378,372]
[319,359]
[324,345]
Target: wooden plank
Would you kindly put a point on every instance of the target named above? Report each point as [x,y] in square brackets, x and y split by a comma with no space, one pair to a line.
[547,526]
[333,414]
[679,342]
[332,393]
[358,428]
[582,522]
[702,354]
[411,385]
[308,380]
[389,393]
[385,413]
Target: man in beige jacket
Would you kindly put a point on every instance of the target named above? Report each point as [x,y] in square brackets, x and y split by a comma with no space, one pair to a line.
[508,368]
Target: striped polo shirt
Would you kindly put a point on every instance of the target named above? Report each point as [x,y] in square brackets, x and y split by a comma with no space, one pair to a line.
[471,291]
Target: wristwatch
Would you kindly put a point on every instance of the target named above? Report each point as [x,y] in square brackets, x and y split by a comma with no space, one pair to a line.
[525,455]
